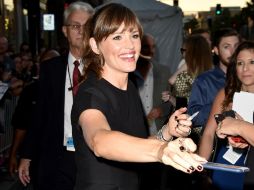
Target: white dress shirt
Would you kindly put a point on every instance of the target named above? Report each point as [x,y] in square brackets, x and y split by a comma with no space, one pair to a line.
[146,95]
[69,97]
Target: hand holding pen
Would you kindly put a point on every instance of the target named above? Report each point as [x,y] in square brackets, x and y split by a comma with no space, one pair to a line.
[193,115]
[179,125]
[180,150]
[182,123]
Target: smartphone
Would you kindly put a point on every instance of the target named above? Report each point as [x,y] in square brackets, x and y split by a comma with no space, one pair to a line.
[226,167]
[238,139]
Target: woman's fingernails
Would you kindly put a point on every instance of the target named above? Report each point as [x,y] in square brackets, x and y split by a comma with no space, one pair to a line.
[189,171]
[200,167]
[191,168]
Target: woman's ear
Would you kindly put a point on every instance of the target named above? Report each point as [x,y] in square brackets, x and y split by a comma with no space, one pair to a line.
[94,46]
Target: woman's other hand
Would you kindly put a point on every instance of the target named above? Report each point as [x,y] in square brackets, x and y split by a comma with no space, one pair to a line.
[180,155]
[178,124]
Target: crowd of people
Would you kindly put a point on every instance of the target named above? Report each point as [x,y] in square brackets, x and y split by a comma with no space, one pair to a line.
[106,115]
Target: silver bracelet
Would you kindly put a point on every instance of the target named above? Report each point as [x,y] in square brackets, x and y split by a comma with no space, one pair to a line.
[160,137]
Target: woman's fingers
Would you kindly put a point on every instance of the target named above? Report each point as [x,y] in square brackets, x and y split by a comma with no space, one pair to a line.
[179,154]
[169,161]
[219,133]
[179,112]
[24,177]
[183,128]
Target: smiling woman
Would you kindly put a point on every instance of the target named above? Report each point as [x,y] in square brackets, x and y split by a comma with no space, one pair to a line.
[240,77]
[109,130]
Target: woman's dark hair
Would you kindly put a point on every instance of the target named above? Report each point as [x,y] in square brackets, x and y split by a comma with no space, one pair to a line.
[233,84]
[106,21]
[198,55]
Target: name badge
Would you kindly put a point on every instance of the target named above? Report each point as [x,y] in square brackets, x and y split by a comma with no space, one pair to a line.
[70,144]
[231,155]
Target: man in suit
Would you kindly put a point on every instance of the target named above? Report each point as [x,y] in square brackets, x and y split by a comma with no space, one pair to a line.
[151,79]
[50,139]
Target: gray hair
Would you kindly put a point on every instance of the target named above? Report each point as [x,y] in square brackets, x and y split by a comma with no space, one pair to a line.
[75,6]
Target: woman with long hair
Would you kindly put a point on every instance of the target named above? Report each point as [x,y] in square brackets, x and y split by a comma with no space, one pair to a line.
[240,77]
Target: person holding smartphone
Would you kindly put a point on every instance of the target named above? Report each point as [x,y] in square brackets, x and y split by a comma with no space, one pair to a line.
[240,77]
[238,127]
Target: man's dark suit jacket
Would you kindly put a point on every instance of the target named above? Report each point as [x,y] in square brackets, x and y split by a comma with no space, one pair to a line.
[44,142]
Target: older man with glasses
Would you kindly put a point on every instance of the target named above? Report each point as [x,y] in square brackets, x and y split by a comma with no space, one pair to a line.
[49,142]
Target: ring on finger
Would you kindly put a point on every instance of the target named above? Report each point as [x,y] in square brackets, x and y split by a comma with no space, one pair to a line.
[182,149]
[181,125]
[183,146]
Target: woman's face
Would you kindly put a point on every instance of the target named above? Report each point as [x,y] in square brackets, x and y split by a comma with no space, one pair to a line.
[245,69]
[121,49]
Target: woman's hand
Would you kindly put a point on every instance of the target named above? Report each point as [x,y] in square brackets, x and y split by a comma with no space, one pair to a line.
[180,154]
[229,128]
[165,96]
[178,125]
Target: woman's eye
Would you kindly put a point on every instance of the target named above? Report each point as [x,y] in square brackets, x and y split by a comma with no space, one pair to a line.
[136,36]
[117,38]
[239,63]
[252,62]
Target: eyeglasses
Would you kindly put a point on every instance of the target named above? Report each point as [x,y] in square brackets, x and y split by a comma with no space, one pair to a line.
[183,50]
[75,27]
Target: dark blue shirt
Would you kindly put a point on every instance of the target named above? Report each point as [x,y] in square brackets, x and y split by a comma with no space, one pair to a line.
[204,90]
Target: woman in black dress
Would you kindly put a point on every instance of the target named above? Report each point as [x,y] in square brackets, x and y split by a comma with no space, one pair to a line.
[109,131]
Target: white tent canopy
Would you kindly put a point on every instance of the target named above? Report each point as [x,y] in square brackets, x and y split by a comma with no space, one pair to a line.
[164,22]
